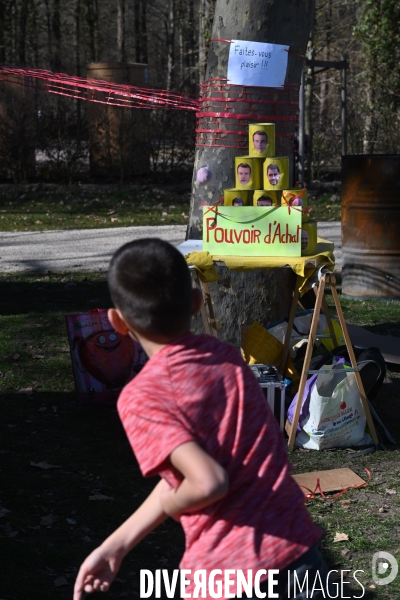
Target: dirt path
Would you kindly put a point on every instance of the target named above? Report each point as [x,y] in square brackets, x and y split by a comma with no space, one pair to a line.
[91,249]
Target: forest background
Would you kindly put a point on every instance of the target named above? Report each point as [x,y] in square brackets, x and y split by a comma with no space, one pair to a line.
[172,37]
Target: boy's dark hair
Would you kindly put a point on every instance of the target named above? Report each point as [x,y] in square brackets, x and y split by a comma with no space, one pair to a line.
[150,284]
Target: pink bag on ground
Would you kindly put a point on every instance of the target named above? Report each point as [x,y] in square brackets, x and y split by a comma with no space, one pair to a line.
[103,360]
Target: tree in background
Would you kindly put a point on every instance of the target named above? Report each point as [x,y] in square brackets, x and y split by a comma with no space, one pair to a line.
[379,31]
[173,38]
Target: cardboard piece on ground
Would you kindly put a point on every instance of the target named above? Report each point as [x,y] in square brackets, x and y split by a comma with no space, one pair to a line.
[330,481]
[389,345]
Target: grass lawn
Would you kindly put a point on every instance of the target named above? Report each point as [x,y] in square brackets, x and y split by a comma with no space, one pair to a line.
[68,476]
[45,206]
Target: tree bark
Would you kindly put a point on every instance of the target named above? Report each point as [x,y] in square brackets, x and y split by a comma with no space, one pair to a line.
[309,95]
[78,37]
[170,29]
[23,17]
[206,10]
[92,19]
[265,295]
[144,55]
[121,31]
[56,31]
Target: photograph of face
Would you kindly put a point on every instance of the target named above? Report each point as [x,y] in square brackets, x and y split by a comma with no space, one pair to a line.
[264,201]
[237,202]
[260,140]
[304,239]
[244,173]
[273,174]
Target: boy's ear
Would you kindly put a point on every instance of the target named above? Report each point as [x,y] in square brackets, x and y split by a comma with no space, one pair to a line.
[117,321]
[197,299]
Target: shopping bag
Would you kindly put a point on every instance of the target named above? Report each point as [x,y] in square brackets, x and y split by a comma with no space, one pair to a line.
[332,414]
[103,360]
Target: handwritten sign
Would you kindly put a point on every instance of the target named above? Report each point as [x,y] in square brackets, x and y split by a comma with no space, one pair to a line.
[257,64]
[251,231]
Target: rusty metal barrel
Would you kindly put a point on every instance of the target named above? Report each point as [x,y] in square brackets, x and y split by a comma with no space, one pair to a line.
[371,226]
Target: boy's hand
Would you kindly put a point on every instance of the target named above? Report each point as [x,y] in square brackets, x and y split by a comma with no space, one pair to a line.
[96,573]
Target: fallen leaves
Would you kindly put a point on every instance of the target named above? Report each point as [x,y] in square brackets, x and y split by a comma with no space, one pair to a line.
[340,537]
[44,465]
[49,520]
[60,581]
[9,531]
[27,391]
[100,497]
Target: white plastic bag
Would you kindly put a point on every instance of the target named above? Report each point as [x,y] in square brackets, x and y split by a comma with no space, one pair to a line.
[336,416]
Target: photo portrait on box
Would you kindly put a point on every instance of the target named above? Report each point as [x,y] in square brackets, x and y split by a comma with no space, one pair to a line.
[266,198]
[276,173]
[309,238]
[262,139]
[247,173]
[235,197]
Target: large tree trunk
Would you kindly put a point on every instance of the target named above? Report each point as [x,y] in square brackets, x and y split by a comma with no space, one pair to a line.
[2,32]
[121,30]
[170,30]
[206,9]
[265,295]
[56,31]
[92,20]
[279,22]
[309,96]
[23,17]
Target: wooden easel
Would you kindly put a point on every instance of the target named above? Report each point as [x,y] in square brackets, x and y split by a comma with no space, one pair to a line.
[206,308]
[210,325]
[327,278]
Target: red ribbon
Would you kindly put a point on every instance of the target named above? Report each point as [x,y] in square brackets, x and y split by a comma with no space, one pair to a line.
[293,197]
[213,207]
[318,488]
[221,40]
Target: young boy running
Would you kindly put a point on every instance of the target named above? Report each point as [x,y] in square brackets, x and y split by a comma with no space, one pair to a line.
[196,416]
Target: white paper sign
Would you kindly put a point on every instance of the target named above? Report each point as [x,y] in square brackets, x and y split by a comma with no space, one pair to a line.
[257,64]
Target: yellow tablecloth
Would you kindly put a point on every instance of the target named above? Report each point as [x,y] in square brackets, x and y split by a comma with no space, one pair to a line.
[303,266]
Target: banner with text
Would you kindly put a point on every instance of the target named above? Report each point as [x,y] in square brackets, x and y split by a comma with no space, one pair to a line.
[257,64]
[251,231]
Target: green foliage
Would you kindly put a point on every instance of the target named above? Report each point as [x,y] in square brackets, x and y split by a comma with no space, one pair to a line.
[379,31]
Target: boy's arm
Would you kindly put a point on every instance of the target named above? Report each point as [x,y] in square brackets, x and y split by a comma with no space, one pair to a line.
[205,481]
[101,566]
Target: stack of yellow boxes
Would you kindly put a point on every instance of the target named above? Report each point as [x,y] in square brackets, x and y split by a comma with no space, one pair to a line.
[262,179]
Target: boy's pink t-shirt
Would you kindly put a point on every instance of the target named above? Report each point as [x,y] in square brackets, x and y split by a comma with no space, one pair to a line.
[199,389]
